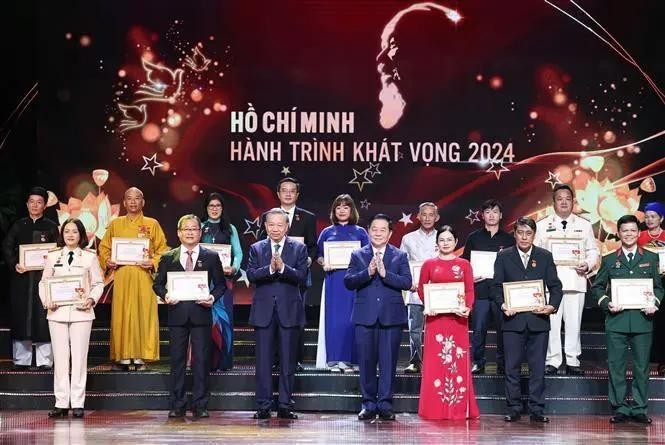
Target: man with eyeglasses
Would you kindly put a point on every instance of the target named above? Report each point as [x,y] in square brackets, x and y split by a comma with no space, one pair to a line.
[302,227]
[190,319]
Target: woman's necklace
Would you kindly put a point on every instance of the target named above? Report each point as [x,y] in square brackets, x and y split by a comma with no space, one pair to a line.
[660,230]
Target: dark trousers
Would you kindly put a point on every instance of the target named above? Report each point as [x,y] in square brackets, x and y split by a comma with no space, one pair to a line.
[534,345]
[377,344]
[226,358]
[285,341]
[300,341]
[178,344]
[617,356]
[483,311]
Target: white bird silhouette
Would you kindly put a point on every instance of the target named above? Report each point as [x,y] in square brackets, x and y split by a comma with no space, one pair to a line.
[164,84]
[197,61]
[135,116]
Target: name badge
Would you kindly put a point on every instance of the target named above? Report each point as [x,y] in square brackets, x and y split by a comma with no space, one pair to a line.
[644,265]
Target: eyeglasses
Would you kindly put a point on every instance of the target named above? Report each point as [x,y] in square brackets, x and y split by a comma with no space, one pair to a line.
[189,230]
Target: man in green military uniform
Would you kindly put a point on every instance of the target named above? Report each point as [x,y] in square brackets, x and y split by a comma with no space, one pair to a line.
[630,326]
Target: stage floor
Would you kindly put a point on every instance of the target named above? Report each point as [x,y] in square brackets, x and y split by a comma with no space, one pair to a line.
[153,427]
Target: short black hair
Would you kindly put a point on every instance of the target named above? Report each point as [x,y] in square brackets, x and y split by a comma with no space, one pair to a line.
[344,199]
[446,228]
[490,204]
[526,221]
[288,179]
[626,219]
[384,217]
[562,187]
[83,236]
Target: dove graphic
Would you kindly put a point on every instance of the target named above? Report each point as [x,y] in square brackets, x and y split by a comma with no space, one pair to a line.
[135,116]
[164,84]
[197,61]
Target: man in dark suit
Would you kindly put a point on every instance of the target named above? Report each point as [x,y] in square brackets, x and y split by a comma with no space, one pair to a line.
[626,327]
[190,319]
[302,225]
[378,272]
[278,268]
[526,332]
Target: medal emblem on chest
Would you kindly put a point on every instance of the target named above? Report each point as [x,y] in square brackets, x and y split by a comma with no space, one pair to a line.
[457,272]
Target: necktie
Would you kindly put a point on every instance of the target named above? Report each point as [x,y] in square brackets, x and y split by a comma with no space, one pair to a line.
[630,258]
[71,258]
[276,247]
[564,224]
[525,259]
[189,265]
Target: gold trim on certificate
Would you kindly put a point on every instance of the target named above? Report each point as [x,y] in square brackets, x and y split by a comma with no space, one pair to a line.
[482,263]
[632,293]
[660,251]
[443,298]
[33,256]
[300,239]
[567,251]
[524,296]
[337,254]
[223,250]
[130,251]
[187,286]
[66,290]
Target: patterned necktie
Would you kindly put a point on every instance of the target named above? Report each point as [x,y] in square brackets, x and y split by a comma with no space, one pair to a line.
[71,258]
[189,265]
[630,258]
[564,224]
[276,247]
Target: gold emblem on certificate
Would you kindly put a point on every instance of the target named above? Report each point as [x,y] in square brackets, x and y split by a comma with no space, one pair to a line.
[567,251]
[223,250]
[130,251]
[443,298]
[33,256]
[337,254]
[187,286]
[66,290]
[632,293]
[482,263]
[524,296]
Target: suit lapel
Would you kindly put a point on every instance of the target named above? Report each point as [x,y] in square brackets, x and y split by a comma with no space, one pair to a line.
[267,253]
[517,258]
[387,255]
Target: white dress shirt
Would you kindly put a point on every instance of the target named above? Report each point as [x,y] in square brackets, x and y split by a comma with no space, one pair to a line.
[278,251]
[419,246]
[184,256]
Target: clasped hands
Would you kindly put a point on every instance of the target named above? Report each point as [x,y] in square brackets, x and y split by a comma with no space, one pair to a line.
[276,263]
[376,265]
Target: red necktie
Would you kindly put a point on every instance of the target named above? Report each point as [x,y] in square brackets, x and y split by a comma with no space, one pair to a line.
[189,265]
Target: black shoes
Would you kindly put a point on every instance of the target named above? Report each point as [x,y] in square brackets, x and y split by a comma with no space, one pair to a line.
[500,370]
[477,369]
[300,367]
[58,412]
[387,415]
[642,418]
[513,417]
[551,370]
[120,367]
[284,413]
[78,413]
[262,414]
[200,413]
[574,370]
[539,418]
[619,418]
[175,413]
[20,367]
[366,414]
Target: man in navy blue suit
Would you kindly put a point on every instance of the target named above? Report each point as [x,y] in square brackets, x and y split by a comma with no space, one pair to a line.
[278,268]
[190,319]
[526,333]
[378,272]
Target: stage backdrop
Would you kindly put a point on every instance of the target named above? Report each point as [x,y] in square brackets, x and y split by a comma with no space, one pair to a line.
[393,102]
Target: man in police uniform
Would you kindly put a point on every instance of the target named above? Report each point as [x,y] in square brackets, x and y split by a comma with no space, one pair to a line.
[628,326]
[563,224]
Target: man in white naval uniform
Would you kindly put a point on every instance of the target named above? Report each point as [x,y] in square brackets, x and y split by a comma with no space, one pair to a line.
[563,224]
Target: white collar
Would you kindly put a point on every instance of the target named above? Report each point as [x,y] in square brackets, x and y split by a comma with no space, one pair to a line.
[195,250]
[626,252]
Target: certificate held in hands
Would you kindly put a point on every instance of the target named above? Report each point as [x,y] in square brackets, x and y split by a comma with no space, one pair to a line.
[567,251]
[660,251]
[130,251]
[223,250]
[524,296]
[337,254]
[33,256]
[66,290]
[482,263]
[443,298]
[187,286]
[632,293]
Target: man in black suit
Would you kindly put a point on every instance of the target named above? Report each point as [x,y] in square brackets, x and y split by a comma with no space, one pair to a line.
[277,266]
[526,332]
[190,318]
[302,225]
